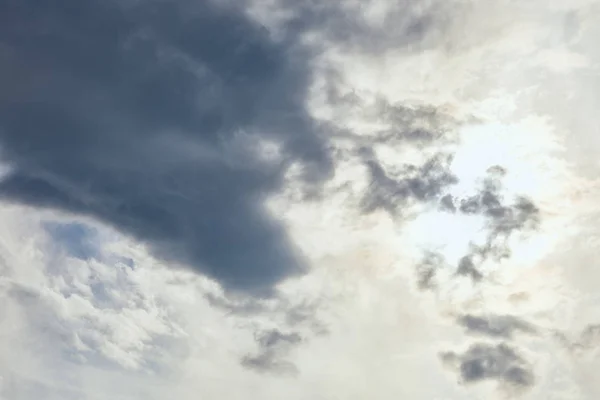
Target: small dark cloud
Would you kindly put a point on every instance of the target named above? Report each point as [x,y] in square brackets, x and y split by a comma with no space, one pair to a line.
[275,338]
[411,184]
[426,270]
[495,325]
[131,113]
[273,346]
[265,362]
[419,125]
[504,219]
[466,267]
[447,203]
[499,363]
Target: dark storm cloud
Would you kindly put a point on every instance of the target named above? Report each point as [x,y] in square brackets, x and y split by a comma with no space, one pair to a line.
[273,345]
[127,113]
[499,363]
[495,325]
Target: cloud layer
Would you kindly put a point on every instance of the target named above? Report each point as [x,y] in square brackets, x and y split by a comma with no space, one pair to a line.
[283,199]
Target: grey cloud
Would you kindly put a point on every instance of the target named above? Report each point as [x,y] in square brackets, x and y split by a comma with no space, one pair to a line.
[495,325]
[414,183]
[466,267]
[499,362]
[426,270]
[590,337]
[447,204]
[291,315]
[265,362]
[409,124]
[129,113]
[275,338]
[503,219]
[273,346]
[419,125]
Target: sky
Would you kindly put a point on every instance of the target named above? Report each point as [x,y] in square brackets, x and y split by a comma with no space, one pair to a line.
[299,199]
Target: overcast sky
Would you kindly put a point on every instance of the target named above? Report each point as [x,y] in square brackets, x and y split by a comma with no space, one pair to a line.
[268,199]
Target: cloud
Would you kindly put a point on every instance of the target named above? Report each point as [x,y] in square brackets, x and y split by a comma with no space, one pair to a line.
[495,325]
[272,346]
[416,183]
[498,362]
[138,118]
[585,342]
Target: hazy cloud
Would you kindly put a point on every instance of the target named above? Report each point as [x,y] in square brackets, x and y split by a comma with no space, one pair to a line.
[273,346]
